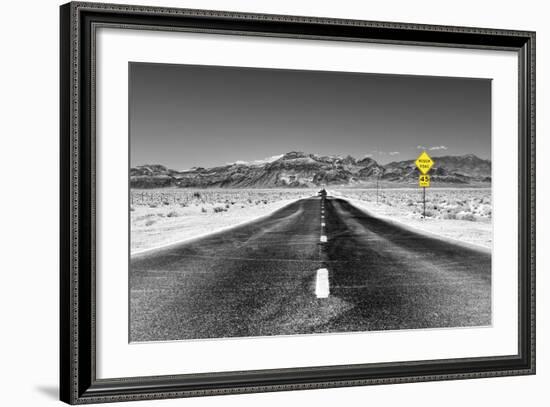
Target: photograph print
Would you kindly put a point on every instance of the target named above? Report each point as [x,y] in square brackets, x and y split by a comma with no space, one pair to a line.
[295,202]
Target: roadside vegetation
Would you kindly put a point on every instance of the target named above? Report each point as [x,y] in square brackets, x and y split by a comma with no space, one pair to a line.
[161,216]
[453,204]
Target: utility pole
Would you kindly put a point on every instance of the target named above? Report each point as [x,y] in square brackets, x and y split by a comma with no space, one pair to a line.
[377,186]
[377,181]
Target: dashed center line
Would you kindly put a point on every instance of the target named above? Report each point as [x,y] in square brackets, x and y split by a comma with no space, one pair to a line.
[322,288]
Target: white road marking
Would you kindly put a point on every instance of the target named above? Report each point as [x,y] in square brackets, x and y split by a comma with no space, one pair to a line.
[323,224]
[322,288]
[322,216]
[323,239]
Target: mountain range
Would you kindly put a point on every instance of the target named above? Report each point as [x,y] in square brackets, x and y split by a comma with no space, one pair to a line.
[300,170]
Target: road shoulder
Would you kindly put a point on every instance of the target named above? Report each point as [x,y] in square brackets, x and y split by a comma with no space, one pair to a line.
[173,231]
[471,235]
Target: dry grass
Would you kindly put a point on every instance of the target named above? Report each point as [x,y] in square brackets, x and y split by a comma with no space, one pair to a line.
[452,204]
[165,215]
[212,198]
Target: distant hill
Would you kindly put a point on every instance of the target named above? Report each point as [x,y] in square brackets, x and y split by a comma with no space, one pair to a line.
[299,170]
[461,169]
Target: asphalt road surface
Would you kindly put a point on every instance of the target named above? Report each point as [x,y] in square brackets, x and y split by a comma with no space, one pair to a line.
[315,266]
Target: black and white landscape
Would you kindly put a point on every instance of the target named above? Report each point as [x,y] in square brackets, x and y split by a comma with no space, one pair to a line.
[306,170]
[274,202]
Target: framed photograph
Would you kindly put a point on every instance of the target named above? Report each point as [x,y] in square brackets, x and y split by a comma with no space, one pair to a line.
[255,203]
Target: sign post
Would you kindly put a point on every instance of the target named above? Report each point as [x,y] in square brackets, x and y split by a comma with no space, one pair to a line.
[424,163]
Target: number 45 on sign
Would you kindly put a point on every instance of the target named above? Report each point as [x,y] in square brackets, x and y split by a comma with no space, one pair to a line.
[424,181]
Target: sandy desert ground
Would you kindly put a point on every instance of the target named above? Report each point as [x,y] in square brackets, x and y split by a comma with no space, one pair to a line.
[163,216]
[460,214]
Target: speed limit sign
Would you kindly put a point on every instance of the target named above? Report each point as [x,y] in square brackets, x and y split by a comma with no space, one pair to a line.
[424,181]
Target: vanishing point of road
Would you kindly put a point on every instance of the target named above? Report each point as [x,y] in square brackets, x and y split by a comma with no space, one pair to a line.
[317,265]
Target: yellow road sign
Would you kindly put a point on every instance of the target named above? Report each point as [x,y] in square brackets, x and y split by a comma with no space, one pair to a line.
[424,162]
[424,181]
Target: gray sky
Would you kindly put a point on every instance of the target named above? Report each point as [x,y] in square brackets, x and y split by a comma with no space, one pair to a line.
[183,116]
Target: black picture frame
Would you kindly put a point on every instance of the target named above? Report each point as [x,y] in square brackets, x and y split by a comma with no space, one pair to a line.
[78,382]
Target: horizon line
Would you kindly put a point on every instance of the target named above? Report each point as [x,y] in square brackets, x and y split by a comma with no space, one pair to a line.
[264,161]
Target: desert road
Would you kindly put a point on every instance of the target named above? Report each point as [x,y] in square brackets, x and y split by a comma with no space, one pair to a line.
[317,265]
